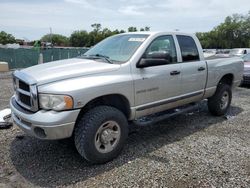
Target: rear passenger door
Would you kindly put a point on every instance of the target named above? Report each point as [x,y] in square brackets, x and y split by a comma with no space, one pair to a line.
[193,70]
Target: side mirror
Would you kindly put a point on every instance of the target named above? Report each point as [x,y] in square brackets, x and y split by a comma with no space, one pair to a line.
[143,63]
[158,55]
[154,59]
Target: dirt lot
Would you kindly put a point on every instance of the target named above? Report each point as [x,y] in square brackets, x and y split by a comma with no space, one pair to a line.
[189,150]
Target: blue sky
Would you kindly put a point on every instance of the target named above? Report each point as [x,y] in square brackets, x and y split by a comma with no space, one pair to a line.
[31,19]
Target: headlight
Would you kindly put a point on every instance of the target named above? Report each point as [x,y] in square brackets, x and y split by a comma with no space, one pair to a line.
[55,102]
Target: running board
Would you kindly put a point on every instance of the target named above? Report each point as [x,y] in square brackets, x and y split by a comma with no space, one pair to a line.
[154,118]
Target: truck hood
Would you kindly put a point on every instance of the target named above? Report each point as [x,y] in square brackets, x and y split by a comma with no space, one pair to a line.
[65,69]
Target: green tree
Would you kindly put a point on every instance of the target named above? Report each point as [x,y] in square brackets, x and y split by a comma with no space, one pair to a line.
[80,39]
[87,39]
[122,31]
[58,40]
[132,29]
[234,32]
[96,27]
[145,29]
[6,38]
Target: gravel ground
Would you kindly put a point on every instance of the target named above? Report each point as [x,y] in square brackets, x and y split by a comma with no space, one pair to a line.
[189,150]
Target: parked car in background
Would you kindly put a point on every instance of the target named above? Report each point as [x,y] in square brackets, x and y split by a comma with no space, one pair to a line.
[246,74]
[222,53]
[209,52]
[239,51]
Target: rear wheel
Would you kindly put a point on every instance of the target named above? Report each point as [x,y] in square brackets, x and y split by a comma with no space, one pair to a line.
[101,134]
[219,103]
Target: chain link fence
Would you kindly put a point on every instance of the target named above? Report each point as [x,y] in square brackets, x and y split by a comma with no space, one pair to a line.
[22,58]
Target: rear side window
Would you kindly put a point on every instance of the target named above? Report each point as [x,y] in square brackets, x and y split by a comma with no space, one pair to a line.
[189,51]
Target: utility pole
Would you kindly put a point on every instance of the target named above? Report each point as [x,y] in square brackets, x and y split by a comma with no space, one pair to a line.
[50,31]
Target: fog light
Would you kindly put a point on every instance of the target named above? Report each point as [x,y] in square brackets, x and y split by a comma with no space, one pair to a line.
[39,132]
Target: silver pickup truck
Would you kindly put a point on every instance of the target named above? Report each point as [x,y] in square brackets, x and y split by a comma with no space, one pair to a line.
[126,77]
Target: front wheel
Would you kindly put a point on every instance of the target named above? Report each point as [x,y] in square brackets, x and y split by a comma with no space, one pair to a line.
[219,103]
[101,134]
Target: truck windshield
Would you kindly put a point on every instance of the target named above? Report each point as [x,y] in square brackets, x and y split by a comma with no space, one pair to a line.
[118,48]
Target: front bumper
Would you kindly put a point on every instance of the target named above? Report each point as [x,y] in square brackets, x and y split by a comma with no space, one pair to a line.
[43,124]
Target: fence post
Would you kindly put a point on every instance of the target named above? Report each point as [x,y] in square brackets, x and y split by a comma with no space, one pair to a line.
[40,59]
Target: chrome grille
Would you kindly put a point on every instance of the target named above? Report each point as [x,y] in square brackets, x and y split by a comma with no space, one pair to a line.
[25,94]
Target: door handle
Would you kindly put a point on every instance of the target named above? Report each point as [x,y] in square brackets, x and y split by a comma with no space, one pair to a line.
[175,73]
[201,68]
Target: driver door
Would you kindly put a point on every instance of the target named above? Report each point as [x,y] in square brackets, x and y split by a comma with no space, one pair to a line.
[156,86]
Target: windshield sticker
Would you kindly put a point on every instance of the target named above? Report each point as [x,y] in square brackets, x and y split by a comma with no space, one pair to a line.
[136,39]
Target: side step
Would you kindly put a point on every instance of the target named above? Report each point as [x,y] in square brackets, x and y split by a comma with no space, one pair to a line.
[154,118]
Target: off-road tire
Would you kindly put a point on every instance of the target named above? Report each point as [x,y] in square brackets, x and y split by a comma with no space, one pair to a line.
[214,102]
[88,125]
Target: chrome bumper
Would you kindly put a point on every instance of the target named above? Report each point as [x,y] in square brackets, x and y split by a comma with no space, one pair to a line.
[43,124]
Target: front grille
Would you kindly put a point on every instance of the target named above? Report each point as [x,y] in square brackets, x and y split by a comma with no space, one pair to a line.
[24,86]
[25,94]
[25,99]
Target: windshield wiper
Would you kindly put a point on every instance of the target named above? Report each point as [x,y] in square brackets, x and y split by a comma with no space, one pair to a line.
[100,56]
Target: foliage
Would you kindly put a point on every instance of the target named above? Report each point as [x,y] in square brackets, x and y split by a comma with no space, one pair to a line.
[134,29]
[234,32]
[83,38]
[56,39]
[6,38]
[145,29]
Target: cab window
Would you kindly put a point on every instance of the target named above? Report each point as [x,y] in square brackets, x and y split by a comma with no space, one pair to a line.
[189,51]
[163,44]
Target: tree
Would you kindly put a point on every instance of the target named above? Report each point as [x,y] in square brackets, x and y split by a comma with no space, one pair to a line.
[96,27]
[87,39]
[6,38]
[132,29]
[145,29]
[122,31]
[80,39]
[234,32]
[56,39]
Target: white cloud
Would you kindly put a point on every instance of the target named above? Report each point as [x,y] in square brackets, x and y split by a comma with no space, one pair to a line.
[84,3]
[131,10]
[32,19]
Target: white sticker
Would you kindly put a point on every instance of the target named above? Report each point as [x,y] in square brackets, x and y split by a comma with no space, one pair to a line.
[136,39]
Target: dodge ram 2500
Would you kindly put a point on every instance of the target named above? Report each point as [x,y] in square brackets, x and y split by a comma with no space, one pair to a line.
[121,79]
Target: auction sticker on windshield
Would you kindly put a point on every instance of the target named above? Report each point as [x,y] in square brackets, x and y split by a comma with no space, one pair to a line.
[136,39]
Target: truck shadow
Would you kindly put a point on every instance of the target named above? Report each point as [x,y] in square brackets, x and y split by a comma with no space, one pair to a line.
[247,86]
[57,163]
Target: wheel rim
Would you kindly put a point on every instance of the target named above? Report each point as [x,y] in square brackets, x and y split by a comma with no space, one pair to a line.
[107,136]
[224,100]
